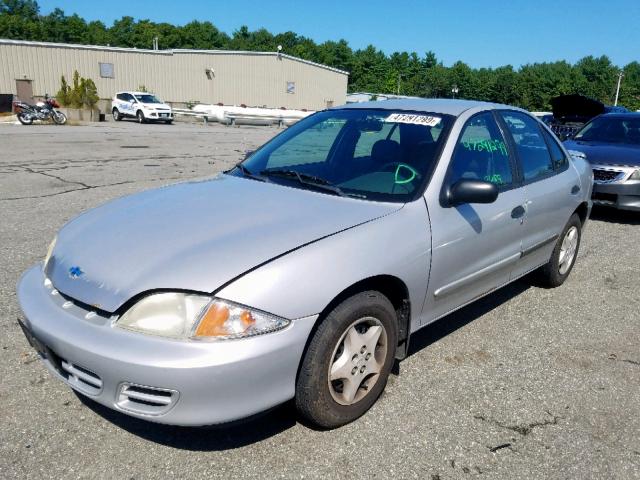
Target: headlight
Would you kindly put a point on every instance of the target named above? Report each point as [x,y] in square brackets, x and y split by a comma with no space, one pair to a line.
[635,175]
[47,257]
[183,316]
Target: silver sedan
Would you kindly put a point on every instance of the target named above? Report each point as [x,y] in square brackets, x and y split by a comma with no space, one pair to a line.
[303,272]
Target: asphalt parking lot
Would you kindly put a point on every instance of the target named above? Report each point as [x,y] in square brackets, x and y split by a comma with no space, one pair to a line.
[526,383]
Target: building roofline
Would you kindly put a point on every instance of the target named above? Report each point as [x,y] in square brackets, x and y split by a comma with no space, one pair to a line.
[170,52]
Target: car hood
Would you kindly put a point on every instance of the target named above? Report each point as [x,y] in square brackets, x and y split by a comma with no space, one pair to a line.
[598,153]
[193,236]
[162,106]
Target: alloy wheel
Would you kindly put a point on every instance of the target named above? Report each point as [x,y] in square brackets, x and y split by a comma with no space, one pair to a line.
[568,250]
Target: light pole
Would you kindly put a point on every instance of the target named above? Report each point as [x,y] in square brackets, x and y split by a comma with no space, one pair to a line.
[620,75]
[454,91]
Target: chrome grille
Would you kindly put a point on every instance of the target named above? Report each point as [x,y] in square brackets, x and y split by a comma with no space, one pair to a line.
[606,176]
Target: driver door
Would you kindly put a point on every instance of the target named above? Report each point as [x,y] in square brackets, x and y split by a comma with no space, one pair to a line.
[475,246]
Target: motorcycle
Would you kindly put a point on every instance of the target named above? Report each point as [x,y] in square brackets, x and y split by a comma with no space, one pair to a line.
[40,111]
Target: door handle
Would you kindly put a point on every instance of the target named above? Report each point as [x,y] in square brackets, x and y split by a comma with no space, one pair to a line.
[518,212]
[575,189]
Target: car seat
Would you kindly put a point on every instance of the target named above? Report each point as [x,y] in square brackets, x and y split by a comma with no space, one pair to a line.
[385,151]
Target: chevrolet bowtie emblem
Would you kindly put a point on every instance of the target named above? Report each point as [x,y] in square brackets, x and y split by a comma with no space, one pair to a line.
[75,272]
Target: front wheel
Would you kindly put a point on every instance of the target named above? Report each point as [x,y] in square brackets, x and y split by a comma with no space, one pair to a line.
[554,273]
[347,362]
[59,118]
[25,118]
[140,116]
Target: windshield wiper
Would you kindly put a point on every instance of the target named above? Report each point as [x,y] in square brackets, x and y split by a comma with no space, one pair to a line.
[305,179]
[249,174]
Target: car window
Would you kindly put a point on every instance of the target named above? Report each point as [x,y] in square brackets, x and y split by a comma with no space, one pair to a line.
[533,153]
[611,129]
[147,98]
[560,160]
[311,146]
[481,153]
[121,96]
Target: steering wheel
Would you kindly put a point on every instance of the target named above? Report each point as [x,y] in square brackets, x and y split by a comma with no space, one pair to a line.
[400,179]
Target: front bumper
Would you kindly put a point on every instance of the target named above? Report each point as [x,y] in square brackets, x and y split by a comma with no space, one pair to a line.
[623,195]
[158,379]
[159,115]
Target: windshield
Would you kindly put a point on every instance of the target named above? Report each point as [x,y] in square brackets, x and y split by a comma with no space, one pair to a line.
[372,154]
[148,98]
[611,130]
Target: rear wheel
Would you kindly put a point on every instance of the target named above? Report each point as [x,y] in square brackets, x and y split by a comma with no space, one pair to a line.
[25,118]
[116,115]
[347,363]
[140,117]
[563,258]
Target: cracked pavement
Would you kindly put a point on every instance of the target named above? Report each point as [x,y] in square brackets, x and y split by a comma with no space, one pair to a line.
[526,383]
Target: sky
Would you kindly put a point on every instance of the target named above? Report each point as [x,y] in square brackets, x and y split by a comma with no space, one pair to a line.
[482,33]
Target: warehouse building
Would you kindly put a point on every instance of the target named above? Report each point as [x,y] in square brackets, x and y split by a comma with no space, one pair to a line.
[271,79]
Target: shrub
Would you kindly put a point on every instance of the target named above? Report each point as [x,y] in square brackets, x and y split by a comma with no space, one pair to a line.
[83,93]
[63,94]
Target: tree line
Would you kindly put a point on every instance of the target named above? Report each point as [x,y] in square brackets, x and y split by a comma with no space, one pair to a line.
[529,86]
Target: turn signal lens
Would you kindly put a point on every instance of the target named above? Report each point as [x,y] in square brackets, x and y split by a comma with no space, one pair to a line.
[213,321]
[223,319]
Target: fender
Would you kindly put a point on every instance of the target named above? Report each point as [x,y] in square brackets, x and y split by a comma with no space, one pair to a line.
[315,274]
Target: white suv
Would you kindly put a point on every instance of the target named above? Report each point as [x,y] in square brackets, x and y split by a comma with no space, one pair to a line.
[143,106]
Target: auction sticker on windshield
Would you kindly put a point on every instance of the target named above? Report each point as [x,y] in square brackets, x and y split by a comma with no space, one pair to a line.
[426,120]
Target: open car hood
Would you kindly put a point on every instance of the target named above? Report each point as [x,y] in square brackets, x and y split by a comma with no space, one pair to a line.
[576,108]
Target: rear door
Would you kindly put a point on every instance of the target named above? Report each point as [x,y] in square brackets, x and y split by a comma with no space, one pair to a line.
[475,246]
[552,188]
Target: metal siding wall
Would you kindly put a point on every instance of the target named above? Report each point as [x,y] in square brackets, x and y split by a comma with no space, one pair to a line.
[252,79]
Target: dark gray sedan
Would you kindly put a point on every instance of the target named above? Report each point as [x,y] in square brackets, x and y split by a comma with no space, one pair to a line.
[611,143]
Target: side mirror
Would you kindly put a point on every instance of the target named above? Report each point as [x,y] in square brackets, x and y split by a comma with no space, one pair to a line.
[472,191]
[133,100]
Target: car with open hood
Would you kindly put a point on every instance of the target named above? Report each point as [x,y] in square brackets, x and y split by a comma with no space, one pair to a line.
[304,271]
[571,112]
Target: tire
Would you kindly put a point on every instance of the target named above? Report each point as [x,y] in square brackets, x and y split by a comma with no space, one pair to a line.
[564,255]
[168,122]
[116,115]
[59,118]
[324,397]
[25,119]
[140,117]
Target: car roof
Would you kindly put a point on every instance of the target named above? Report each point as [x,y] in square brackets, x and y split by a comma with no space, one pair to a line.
[621,115]
[444,106]
[134,92]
